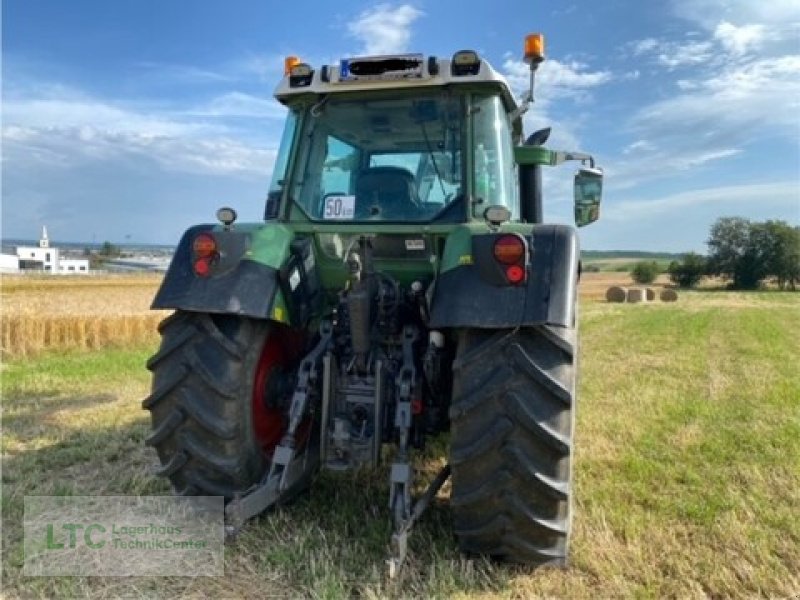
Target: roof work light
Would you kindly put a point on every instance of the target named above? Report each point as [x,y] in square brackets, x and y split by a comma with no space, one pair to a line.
[300,75]
[465,62]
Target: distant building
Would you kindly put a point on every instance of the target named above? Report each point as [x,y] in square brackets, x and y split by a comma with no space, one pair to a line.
[48,259]
[9,263]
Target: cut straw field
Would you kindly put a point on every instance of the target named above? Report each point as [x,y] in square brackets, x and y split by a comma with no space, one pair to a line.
[687,470]
[76,312]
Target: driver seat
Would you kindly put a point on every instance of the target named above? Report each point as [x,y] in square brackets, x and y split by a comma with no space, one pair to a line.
[387,193]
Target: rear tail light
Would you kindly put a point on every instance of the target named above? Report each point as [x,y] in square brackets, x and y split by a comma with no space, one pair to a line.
[204,247]
[510,251]
[202,267]
[515,274]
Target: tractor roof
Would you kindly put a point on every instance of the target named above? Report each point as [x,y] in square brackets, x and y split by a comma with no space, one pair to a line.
[392,72]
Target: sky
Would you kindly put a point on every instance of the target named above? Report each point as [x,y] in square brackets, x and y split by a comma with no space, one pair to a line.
[131,121]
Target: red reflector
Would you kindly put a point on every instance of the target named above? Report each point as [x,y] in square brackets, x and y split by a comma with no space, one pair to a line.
[509,249]
[204,245]
[202,267]
[515,274]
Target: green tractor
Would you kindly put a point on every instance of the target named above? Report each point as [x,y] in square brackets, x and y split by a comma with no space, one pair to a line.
[402,284]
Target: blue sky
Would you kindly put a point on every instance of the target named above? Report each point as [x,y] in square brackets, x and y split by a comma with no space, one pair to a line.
[130,121]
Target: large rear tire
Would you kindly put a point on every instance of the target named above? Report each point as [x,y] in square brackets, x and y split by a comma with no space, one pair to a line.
[512,433]
[212,426]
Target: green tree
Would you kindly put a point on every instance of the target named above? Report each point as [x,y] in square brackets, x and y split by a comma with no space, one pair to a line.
[783,253]
[738,252]
[747,253]
[645,272]
[688,272]
[108,250]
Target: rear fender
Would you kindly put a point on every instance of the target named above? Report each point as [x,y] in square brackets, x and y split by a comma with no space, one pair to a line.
[261,271]
[465,296]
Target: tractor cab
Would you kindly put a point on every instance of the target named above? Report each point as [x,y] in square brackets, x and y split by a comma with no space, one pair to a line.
[399,139]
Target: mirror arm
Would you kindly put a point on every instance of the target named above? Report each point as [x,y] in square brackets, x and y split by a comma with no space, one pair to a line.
[559,157]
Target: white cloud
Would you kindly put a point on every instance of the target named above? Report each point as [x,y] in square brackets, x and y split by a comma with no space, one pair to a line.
[71,109]
[778,14]
[266,67]
[672,53]
[638,146]
[645,161]
[554,79]
[783,195]
[738,40]
[760,93]
[238,104]
[220,156]
[161,73]
[64,127]
[564,134]
[739,82]
[384,29]
[677,54]
[572,75]
[711,119]
[644,46]
[715,118]
[725,43]
[69,147]
[687,84]
[680,221]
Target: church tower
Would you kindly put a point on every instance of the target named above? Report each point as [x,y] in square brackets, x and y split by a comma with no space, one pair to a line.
[44,242]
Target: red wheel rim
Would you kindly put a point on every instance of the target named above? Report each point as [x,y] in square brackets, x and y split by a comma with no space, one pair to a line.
[282,350]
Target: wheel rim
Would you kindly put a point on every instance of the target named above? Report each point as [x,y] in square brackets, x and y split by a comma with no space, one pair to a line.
[282,350]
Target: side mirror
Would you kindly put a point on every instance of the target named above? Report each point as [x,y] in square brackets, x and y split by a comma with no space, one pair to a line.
[588,191]
[273,205]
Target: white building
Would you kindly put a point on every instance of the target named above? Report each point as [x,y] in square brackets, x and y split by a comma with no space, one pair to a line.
[9,263]
[73,265]
[45,258]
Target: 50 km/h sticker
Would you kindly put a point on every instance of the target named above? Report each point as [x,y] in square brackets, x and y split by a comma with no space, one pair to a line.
[339,207]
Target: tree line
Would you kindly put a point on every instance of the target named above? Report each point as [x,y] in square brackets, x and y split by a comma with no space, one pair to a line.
[745,253]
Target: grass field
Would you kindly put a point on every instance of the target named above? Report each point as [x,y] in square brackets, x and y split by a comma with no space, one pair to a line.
[687,469]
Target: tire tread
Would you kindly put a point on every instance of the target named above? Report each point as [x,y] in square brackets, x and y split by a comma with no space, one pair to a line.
[512,431]
[201,403]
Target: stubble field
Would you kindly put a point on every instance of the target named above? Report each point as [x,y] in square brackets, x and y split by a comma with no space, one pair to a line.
[687,457]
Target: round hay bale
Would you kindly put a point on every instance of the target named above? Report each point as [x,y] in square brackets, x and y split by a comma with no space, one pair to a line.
[616,294]
[651,294]
[636,295]
[668,295]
